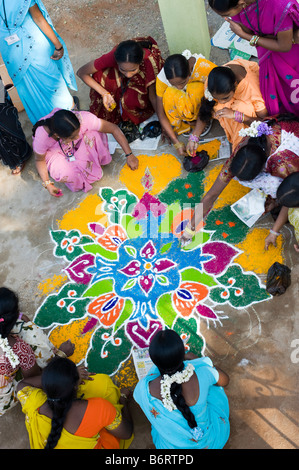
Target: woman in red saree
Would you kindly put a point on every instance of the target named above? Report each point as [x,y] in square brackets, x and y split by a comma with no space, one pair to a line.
[122,82]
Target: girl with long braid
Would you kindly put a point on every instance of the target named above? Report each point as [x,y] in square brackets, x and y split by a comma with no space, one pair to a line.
[68,408]
[183,399]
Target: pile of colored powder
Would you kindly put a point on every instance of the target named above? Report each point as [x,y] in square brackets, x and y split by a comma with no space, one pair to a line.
[89,210]
[255,258]
[232,193]
[212,148]
[153,174]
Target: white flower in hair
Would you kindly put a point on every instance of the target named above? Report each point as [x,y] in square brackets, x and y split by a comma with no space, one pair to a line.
[256,129]
[208,95]
[8,352]
[167,381]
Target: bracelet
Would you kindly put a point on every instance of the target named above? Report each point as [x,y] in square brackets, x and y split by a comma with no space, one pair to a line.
[190,231]
[60,49]
[46,183]
[20,316]
[60,353]
[238,117]
[254,40]
[274,233]
[128,154]
[179,145]
[193,138]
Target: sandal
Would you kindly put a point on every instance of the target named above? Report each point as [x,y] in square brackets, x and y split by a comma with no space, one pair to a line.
[18,169]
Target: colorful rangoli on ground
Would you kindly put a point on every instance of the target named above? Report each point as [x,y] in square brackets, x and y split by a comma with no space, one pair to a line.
[126,275]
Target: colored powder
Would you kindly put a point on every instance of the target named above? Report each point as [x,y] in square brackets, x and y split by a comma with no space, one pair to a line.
[232,193]
[255,258]
[75,332]
[51,284]
[89,210]
[212,148]
[163,169]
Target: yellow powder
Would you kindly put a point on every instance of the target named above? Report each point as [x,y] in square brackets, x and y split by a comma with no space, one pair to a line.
[126,376]
[51,284]
[154,173]
[73,332]
[89,210]
[212,148]
[255,258]
[232,193]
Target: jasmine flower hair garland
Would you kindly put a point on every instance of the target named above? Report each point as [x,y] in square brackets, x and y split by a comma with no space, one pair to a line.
[167,381]
[8,352]
[256,129]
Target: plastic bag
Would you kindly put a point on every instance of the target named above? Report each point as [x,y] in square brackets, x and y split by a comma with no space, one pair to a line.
[278,279]
[130,130]
[151,130]
[197,163]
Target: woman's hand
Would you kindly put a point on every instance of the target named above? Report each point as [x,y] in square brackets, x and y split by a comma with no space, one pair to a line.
[270,240]
[191,148]
[132,162]
[236,28]
[296,246]
[109,101]
[57,54]
[56,192]
[67,347]
[84,374]
[225,113]
[181,149]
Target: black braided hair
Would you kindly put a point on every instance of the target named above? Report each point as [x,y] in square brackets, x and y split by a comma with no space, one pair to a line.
[131,51]
[62,123]
[59,381]
[167,352]
[9,311]
[223,5]
[251,158]
[176,66]
[288,191]
[221,81]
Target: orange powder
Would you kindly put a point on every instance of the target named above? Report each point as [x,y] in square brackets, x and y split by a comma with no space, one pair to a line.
[89,210]
[255,258]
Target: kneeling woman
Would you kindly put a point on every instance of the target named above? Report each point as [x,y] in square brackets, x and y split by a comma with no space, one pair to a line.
[179,89]
[72,147]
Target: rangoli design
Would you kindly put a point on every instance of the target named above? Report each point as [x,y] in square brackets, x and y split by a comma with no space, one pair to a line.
[130,277]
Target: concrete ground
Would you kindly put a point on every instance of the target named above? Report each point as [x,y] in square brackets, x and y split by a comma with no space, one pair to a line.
[254,346]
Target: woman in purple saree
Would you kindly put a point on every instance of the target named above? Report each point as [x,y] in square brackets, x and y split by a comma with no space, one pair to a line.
[272,27]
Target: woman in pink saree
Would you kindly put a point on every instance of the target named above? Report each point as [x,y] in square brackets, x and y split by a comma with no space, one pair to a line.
[72,147]
[272,27]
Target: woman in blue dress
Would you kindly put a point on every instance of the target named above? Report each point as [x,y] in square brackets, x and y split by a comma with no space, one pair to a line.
[35,57]
[183,399]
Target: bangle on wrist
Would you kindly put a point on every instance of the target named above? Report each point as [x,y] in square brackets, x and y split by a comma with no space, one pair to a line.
[46,183]
[178,145]
[59,49]
[193,138]
[238,117]
[128,154]
[253,41]
[60,353]
[274,233]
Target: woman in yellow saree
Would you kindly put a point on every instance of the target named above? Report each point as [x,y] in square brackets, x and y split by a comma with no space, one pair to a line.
[64,413]
[179,89]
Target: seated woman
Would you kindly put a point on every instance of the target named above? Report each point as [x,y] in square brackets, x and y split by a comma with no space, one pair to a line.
[183,398]
[233,97]
[179,89]
[24,348]
[14,148]
[64,413]
[287,197]
[122,82]
[72,147]
[273,152]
